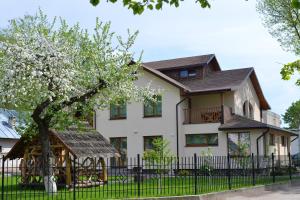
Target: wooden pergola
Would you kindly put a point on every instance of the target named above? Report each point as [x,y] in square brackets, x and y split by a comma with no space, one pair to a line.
[79,154]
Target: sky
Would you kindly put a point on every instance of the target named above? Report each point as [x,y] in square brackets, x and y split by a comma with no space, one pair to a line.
[232,30]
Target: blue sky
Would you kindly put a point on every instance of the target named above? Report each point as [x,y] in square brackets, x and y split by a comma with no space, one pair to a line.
[231,29]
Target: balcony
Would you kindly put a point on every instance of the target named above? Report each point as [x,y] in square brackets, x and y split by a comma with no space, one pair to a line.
[207,115]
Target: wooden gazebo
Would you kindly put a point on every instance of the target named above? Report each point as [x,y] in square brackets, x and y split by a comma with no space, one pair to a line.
[79,154]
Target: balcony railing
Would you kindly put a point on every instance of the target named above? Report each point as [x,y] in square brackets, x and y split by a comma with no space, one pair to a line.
[203,115]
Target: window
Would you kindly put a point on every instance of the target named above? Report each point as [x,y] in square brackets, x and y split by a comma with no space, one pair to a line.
[118,111]
[283,141]
[153,108]
[187,73]
[148,141]
[183,73]
[245,109]
[120,144]
[272,140]
[239,144]
[248,110]
[201,140]
[251,113]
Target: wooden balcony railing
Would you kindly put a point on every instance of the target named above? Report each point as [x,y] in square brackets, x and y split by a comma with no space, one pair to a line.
[203,115]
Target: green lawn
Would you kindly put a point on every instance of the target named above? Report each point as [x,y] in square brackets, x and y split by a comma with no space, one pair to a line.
[119,188]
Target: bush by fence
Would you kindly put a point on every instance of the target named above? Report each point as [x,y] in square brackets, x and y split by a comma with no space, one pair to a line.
[90,179]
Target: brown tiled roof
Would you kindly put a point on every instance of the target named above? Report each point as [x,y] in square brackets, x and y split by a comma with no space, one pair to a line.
[219,80]
[227,80]
[242,123]
[180,62]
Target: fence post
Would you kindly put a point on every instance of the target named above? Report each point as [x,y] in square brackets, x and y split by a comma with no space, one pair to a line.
[228,171]
[273,168]
[195,173]
[2,186]
[290,166]
[253,169]
[74,178]
[139,175]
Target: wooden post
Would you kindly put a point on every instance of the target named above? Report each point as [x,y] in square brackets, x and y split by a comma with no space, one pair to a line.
[24,167]
[104,170]
[68,168]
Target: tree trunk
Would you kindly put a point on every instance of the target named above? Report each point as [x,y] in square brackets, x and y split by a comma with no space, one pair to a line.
[47,155]
[47,158]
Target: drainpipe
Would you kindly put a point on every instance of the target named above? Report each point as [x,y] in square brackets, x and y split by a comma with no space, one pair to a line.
[257,147]
[177,131]
[95,120]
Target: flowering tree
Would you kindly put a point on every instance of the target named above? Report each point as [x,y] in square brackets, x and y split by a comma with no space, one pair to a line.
[53,71]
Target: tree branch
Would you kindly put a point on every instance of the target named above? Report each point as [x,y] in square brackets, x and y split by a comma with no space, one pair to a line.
[82,98]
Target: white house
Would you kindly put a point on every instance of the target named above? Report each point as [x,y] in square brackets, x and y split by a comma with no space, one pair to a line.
[295,146]
[8,135]
[201,107]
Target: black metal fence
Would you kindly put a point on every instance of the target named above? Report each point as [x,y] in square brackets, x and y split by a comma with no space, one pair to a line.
[97,178]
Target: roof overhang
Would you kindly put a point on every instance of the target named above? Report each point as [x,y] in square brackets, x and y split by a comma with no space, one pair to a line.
[262,100]
[242,123]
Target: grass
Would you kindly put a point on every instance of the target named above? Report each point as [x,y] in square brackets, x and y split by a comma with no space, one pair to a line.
[120,188]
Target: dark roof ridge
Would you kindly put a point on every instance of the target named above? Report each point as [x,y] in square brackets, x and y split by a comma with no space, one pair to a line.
[187,57]
[228,70]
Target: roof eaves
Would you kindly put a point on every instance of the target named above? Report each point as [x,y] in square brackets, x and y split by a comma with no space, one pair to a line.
[261,126]
[210,91]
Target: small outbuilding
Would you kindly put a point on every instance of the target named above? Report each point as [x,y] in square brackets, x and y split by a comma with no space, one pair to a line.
[77,154]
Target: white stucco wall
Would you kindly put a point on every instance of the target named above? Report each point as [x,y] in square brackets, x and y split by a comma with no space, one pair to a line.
[272,118]
[10,165]
[136,126]
[6,145]
[211,100]
[220,150]
[244,93]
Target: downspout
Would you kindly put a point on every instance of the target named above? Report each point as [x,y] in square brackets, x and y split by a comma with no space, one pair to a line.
[95,120]
[177,131]
[257,147]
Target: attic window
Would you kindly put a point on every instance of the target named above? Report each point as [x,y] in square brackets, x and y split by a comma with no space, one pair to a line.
[187,73]
[183,73]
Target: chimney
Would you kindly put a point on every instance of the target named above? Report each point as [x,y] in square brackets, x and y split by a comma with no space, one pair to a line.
[12,121]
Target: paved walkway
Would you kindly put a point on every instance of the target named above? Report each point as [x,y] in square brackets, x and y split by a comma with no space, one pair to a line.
[286,193]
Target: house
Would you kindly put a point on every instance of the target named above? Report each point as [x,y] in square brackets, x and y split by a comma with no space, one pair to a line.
[295,146]
[8,134]
[201,106]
